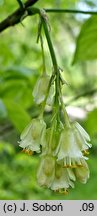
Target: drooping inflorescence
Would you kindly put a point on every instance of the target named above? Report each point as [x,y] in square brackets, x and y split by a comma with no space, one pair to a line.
[64,145]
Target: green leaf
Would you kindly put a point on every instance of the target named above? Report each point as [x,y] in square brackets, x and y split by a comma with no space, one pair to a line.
[86,47]
[91,3]
[17,90]
[91,123]
[1,2]
[17,70]
[17,115]
[3,111]
[16,83]
[6,147]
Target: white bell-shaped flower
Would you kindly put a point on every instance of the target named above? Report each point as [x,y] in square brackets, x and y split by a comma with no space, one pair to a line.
[46,171]
[41,88]
[63,179]
[54,176]
[52,138]
[82,173]
[82,137]
[33,135]
[68,149]
[74,141]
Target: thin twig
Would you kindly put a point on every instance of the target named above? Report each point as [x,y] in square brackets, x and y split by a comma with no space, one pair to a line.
[16,16]
[70,11]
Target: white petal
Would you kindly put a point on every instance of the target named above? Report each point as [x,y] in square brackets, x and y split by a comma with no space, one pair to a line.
[26,130]
[30,145]
[71,174]
[80,139]
[63,182]
[40,88]
[82,131]
[42,178]
[68,146]
[82,173]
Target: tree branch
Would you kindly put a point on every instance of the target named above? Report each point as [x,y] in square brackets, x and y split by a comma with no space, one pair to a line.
[19,14]
[16,16]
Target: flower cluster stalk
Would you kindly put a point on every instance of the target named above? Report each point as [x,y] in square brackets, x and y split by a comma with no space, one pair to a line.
[56,70]
[54,61]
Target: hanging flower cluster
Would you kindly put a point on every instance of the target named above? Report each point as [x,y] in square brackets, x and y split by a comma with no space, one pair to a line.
[64,146]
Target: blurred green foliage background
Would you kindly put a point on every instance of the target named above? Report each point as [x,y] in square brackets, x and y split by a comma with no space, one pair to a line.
[20,66]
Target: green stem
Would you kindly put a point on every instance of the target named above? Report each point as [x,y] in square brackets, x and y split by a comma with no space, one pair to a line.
[67,122]
[21,4]
[50,45]
[58,97]
[16,16]
[43,55]
[44,102]
[55,10]
[54,61]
